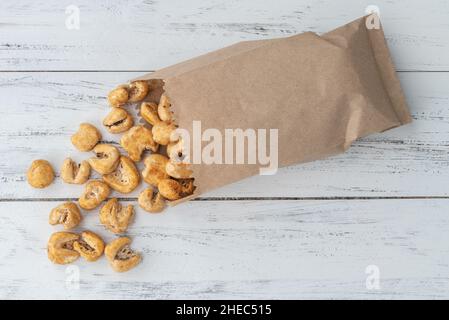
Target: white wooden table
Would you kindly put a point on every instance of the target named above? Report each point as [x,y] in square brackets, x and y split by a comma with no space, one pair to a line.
[318,230]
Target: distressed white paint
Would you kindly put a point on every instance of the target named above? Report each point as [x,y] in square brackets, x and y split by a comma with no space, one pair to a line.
[227,249]
[41,110]
[144,35]
[245,249]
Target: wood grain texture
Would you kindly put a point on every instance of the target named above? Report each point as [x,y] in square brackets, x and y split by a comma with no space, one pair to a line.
[244,249]
[228,249]
[41,110]
[145,35]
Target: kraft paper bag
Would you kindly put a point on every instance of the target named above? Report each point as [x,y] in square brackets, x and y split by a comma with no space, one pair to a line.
[320,92]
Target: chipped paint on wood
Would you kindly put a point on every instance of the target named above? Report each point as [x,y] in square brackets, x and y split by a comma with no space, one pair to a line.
[307,232]
[144,35]
[244,249]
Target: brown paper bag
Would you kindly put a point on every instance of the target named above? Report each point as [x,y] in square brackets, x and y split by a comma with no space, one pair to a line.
[320,92]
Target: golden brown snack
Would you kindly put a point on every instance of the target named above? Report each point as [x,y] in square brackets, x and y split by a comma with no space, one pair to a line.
[154,170]
[40,174]
[125,178]
[162,131]
[119,96]
[94,193]
[121,257]
[66,214]
[170,189]
[118,121]
[115,217]
[175,150]
[148,111]
[163,109]
[106,158]
[138,90]
[137,140]
[86,137]
[90,246]
[74,173]
[187,187]
[151,201]
[178,170]
[60,247]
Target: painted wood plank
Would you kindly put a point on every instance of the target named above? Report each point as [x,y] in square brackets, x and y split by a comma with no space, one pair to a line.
[243,249]
[40,111]
[145,35]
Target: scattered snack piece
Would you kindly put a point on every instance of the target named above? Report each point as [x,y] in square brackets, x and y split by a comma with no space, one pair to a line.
[95,192]
[168,176]
[90,246]
[118,121]
[138,90]
[151,201]
[115,217]
[133,92]
[163,109]
[40,174]
[148,111]
[106,158]
[86,137]
[170,189]
[119,96]
[66,214]
[136,141]
[125,178]
[121,257]
[154,170]
[162,131]
[74,173]
[178,170]
[187,187]
[60,247]
[175,151]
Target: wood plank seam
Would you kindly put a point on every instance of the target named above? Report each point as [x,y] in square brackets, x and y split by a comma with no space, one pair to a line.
[203,199]
[147,71]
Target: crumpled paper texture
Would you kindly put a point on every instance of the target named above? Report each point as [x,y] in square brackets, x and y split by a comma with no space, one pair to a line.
[320,92]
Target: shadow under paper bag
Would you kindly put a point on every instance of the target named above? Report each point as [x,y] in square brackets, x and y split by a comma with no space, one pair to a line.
[320,92]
